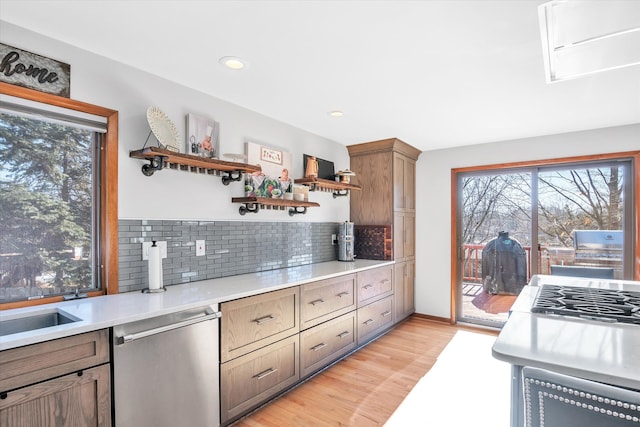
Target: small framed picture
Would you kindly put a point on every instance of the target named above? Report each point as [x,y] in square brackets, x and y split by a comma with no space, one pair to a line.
[203,136]
[271,155]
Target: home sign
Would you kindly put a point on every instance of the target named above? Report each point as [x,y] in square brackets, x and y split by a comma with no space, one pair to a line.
[26,69]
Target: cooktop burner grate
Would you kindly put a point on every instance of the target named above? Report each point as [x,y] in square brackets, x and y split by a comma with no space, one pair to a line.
[592,303]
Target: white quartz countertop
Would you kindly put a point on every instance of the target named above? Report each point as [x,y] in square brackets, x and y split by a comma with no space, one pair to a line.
[595,350]
[110,310]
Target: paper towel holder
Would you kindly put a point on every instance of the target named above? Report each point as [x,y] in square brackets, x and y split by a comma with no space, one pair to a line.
[157,266]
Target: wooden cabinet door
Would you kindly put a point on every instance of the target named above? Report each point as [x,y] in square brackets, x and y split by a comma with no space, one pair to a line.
[250,380]
[409,230]
[404,229]
[373,204]
[404,295]
[374,318]
[374,284]
[326,299]
[404,187]
[324,343]
[33,363]
[253,322]
[78,399]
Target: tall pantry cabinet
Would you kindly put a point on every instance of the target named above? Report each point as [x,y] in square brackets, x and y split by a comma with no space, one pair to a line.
[386,172]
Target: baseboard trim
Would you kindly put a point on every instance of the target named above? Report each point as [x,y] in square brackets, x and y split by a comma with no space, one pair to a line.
[433,318]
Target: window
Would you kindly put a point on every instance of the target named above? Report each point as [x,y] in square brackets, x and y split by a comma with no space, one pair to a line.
[58,192]
[573,217]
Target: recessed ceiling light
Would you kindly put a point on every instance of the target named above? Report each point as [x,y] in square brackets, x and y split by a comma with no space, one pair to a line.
[233,62]
[336,113]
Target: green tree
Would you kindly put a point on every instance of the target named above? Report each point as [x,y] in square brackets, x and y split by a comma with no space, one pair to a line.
[46,193]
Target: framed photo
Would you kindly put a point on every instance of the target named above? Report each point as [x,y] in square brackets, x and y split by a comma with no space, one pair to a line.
[203,136]
[273,180]
[271,155]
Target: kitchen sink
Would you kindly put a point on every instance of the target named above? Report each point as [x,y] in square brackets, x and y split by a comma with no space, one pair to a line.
[37,320]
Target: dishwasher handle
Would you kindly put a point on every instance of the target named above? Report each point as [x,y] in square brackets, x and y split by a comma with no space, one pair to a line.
[143,334]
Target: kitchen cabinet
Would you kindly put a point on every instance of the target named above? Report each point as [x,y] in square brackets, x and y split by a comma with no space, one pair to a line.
[325,299]
[386,172]
[327,342]
[258,349]
[374,284]
[251,323]
[404,231]
[404,182]
[254,378]
[271,341]
[403,296]
[374,319]
[65,382]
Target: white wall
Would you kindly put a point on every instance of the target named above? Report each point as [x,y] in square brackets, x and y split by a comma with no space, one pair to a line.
[433,204]
[174,194]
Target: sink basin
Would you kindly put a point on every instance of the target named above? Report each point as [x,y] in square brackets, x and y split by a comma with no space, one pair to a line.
[38,320]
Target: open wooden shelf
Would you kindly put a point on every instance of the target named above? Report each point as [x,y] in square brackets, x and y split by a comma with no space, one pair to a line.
[337,188]
[160,159]
[254,204]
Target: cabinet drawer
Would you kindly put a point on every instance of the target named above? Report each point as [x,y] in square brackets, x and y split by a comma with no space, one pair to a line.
[252,379]
[69,400]
[374,318]
[374,284]
[250,323]
[323,300]
[324,343]
[30,364]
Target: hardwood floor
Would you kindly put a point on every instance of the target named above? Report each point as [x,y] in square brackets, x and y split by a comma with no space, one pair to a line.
[365,388]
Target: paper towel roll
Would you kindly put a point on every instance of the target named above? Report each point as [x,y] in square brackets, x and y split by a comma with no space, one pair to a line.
[155,268]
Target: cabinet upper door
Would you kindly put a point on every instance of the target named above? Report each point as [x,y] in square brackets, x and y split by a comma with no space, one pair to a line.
[374,174]
[404,188]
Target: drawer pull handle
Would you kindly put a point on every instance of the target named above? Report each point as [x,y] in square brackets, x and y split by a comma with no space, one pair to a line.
[316,302]
[369,286]
[264,373]
[368,322]
[386,313]
[264,319]
[318,347]
[385,281]
[342,294]
[344,334]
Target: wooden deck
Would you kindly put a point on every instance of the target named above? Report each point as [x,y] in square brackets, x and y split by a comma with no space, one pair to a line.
[477,304]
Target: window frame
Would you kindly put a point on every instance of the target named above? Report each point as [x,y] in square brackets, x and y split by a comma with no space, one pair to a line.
[108,227]
[633,156]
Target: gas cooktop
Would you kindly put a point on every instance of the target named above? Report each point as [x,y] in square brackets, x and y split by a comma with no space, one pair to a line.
[591,303]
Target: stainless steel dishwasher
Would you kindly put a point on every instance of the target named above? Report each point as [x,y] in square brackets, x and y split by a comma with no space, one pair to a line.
[166,370]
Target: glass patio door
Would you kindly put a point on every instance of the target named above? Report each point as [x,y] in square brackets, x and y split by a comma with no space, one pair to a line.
[582,214]
[494,242]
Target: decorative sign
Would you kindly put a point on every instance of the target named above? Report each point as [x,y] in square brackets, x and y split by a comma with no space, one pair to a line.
[26,69]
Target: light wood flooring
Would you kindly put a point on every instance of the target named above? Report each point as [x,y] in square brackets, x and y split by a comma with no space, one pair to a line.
[365,388]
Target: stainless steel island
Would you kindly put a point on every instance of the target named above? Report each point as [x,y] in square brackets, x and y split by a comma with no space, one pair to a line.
[594,354]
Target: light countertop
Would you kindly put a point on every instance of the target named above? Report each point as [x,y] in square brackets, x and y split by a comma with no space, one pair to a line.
[595,350]
[110,310]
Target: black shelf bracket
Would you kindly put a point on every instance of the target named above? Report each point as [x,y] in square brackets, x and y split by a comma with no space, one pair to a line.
[340,193]
[155,164]
[230,177]
[296,211]
[249,207]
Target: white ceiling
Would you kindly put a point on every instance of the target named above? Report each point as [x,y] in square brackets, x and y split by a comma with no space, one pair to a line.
[435,74]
